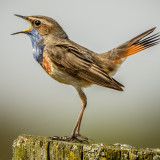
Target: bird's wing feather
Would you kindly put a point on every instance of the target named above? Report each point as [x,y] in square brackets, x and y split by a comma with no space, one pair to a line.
[78,64]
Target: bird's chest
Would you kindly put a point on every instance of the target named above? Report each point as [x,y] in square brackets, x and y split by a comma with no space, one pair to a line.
[51,68]
[47,64]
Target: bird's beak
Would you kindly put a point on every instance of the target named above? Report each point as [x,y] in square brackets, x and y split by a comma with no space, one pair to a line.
[23,17]
[24,31]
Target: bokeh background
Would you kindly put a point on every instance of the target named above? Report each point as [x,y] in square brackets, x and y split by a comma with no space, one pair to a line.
[33,103]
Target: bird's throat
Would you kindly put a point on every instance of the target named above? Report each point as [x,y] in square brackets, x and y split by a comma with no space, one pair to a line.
[37,44]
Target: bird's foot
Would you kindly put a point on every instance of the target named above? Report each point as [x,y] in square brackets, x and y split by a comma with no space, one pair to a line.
[65,138]
[84,138]
[80,138]
[75,137]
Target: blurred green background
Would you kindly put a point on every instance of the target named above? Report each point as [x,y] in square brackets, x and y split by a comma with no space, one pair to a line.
[32,103]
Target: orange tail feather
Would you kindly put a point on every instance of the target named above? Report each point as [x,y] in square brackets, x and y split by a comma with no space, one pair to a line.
[141,44]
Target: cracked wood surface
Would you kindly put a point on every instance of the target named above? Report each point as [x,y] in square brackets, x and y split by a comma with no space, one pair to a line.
[27,147]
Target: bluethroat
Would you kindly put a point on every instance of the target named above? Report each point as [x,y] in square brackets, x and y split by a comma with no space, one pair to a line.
[71,64]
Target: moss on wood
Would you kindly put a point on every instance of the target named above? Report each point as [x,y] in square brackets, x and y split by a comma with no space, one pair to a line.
[27,147]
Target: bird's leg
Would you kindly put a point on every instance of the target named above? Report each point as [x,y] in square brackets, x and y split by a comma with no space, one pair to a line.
[78,122]
[75,132]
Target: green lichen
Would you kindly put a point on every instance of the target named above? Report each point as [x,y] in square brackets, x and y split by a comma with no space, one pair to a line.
[42,148]
[73,156]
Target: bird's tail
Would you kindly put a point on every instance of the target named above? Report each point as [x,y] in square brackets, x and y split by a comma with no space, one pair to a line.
[140,43]
[137,44]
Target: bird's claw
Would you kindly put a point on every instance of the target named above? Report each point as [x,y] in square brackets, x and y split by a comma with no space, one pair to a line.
[74,137]
[65,138]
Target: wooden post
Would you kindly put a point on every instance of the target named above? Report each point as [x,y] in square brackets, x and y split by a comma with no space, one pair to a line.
[27,147]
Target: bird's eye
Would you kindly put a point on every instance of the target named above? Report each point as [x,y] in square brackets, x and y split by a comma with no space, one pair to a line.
[37,23]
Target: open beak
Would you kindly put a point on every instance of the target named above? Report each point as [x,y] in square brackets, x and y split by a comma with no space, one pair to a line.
[24,31]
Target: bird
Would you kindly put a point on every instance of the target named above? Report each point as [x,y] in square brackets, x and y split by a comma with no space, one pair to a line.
[72,64]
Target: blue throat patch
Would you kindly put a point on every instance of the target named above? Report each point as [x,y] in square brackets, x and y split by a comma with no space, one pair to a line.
[37,45]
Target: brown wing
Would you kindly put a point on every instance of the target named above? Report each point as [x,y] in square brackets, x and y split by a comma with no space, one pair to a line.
[70,59]
[133,46]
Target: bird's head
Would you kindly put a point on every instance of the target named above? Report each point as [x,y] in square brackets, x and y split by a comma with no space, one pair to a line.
[44,26]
